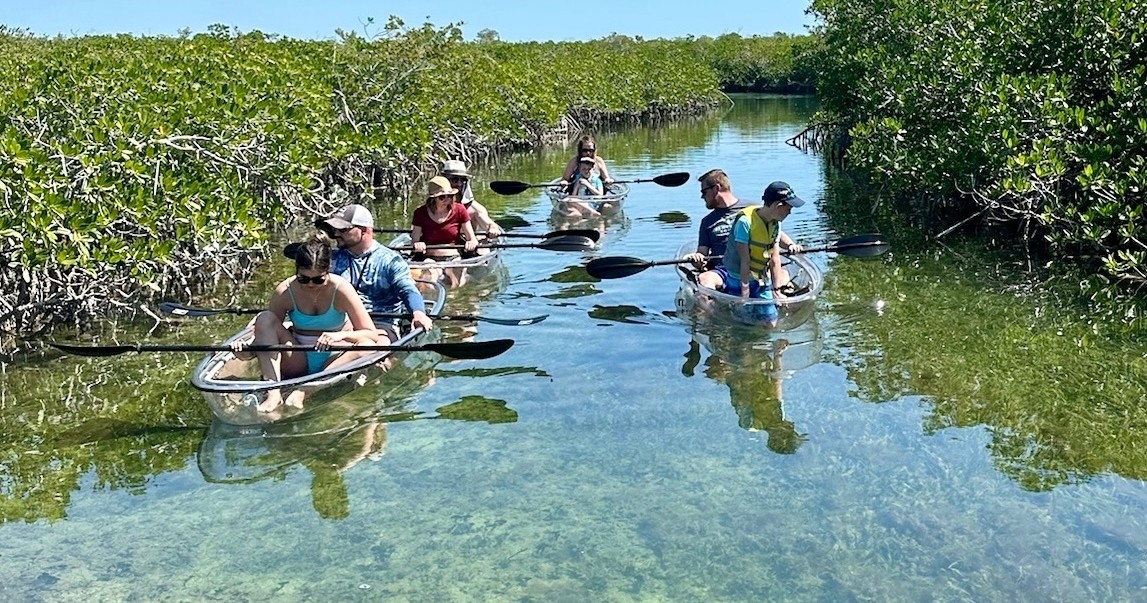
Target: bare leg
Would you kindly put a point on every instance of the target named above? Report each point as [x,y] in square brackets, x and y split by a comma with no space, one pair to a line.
[570,209]
[710,279]
[587,210]
[269,330]
[295,398]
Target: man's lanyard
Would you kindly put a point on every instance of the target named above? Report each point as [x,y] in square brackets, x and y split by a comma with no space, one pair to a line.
[356,281]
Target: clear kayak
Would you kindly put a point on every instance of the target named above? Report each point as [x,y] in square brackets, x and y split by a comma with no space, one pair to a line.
[233,388]
[783,313]
[455,271]
[606,205]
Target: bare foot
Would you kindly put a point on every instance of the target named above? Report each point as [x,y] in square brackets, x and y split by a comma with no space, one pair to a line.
[295,398]
[273,400]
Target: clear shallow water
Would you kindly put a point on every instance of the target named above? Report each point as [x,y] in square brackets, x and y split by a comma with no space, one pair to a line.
[617,453]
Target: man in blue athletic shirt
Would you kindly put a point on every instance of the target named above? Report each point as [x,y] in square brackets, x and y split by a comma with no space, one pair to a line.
[379,274]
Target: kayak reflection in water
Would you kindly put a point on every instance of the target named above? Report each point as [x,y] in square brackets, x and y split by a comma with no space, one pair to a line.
[232,454]
[328,487]
[756,392]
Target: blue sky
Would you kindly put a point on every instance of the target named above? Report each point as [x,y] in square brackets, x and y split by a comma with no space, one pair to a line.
[514,20]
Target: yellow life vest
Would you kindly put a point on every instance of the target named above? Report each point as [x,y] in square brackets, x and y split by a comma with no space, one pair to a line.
[762,236]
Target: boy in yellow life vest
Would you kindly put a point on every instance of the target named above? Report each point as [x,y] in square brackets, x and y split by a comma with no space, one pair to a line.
[755,248]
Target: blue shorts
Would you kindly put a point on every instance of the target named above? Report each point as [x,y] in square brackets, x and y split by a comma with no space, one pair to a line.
[316,360]
[722,271]
[759,312]
[733,286]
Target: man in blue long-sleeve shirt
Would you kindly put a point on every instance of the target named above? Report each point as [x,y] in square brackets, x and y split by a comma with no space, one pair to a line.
[381,276]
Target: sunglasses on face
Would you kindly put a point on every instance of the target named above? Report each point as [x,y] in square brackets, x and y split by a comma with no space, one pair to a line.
[587,150]
[440,197]
[456,179]
[705,188]
[306,280]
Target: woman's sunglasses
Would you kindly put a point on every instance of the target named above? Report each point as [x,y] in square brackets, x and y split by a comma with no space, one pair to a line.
[306,280]
[591,150]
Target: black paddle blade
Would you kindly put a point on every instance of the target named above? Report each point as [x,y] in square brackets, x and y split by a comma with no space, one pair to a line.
[674,179]
[93,351]
[567,243]
[470,350]
[588,233]
[616,267]
[864,250]
[862,246]
[510,322]
[178,309]
[858,246]
[508,187]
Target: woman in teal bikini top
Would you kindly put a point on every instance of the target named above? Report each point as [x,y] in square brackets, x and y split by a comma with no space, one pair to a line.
[315,322]
[308,328]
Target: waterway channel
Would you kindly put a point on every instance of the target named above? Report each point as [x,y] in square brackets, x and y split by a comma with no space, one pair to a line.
[932,433]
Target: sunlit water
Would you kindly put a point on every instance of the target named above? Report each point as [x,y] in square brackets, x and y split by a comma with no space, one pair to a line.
[616,453]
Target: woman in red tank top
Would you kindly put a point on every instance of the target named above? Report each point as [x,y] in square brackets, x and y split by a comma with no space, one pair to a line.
[441,221]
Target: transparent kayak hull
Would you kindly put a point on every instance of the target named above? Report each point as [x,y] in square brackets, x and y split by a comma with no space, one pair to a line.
[606,205]
[782,313]
[233,388]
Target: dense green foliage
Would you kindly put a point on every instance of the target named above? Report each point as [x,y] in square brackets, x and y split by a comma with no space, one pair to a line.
[130,165]
[1023,111]
[777,63]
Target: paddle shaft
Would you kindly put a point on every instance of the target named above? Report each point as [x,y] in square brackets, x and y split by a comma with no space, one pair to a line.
[573,232]
[473,349]
[674,179]
[839,247]
[513,187]
[182,310]
[562,243]
[867,245]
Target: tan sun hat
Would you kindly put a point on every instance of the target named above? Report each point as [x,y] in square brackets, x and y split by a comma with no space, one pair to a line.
[454,167]
[439,186]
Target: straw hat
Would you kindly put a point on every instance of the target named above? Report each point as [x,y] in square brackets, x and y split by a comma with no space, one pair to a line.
[454,167]
[439,186]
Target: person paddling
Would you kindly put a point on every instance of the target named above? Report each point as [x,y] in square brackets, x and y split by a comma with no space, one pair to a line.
[322,308]
[441,221]
[713,234]
[755,248]
[379,274]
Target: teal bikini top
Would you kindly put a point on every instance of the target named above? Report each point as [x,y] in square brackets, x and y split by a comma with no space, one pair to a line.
[331,320]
